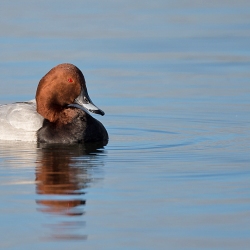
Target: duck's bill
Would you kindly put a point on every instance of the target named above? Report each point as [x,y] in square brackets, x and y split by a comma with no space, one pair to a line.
[84,102]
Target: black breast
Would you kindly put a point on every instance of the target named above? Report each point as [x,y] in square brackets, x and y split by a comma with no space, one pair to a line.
[83,129]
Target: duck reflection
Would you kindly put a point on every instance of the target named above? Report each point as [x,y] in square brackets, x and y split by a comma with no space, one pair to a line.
[61,177]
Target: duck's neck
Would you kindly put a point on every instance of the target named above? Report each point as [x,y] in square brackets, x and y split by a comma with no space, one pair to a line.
[60,115]
[49,112]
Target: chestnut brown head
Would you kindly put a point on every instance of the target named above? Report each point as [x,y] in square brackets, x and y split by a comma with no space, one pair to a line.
[62,86]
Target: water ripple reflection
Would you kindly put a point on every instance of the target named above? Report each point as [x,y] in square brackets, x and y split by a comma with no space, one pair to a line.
[62,175]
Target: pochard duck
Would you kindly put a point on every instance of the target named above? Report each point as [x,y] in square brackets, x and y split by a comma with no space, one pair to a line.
[58,115]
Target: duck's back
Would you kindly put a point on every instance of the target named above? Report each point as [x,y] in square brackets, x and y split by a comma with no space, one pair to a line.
[19,121]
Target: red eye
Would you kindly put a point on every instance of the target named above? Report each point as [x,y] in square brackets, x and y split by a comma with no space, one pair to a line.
[70,80]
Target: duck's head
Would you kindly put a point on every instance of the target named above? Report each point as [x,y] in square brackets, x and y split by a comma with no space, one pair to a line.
[62,87]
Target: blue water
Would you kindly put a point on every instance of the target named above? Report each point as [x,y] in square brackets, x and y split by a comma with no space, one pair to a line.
[173,79]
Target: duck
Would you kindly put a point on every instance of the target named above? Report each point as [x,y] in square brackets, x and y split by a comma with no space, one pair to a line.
[60,112]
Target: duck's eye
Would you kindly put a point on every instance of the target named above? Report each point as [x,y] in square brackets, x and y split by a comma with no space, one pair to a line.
[70,80]
[86,100]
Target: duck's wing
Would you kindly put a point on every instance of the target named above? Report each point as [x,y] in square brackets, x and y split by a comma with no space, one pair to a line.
[21,115]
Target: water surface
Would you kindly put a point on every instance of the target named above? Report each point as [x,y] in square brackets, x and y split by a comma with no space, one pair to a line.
[173,79]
